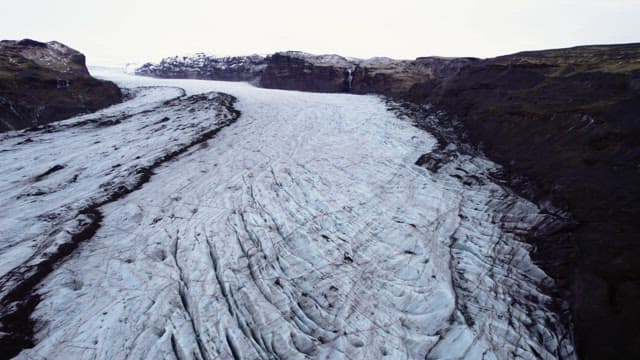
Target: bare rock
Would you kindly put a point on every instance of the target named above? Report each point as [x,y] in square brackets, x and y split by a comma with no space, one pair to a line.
[45,82]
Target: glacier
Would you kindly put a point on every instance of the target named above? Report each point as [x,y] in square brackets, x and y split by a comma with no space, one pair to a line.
[187,223]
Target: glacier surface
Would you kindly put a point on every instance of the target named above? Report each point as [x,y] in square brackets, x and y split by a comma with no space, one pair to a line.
[302,229]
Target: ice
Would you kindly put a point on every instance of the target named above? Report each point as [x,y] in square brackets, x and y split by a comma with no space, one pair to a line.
[303,229]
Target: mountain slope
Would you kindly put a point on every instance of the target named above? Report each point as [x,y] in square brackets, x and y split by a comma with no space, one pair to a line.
[568,121]
[45,82]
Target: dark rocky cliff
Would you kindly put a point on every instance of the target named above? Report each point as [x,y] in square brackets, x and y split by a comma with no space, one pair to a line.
[293,70]
[45,82]
[568,121]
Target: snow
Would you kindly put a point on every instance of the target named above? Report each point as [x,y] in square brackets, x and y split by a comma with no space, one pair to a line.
[330,59]
[198,65]
[303,229]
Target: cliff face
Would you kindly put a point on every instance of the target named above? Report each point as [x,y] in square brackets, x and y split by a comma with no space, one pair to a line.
[45,82]
[295,70]
[201,66]
[568,121]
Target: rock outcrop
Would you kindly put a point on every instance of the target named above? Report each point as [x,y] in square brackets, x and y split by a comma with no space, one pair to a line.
[568,121]
[202,66]
[294,70]
[45,82]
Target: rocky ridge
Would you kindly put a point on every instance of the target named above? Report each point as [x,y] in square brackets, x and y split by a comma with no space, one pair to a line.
[45,82]
[294,70]
[209,67]
[565,125]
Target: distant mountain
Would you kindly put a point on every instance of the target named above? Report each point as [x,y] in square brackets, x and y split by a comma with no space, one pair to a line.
[294,70]
[45,82]
[202,66]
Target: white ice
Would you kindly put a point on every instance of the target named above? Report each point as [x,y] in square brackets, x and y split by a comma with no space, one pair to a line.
[303,229]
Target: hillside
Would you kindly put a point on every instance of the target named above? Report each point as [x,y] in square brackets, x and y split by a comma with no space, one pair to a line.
[45,82]
[207,67]
[568,122]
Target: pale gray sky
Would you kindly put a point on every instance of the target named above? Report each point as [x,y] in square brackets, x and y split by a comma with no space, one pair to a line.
[119,31]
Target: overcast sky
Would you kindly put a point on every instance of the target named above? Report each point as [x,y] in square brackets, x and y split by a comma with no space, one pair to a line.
[119,31]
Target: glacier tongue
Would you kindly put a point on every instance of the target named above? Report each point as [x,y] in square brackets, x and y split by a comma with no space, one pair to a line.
[303,229]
